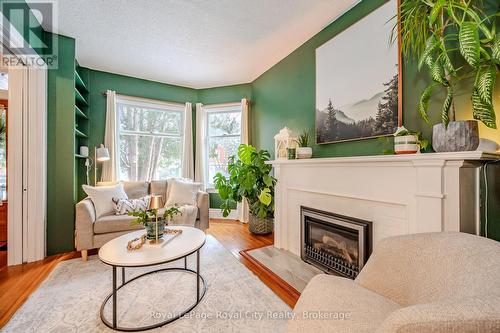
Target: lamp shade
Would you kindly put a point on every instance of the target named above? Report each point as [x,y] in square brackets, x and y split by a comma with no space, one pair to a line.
[156,202]
[102,154]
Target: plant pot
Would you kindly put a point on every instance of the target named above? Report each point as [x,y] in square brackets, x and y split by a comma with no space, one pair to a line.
[459,136]
[406,144]
[304,152]
[260,226]
[151,229]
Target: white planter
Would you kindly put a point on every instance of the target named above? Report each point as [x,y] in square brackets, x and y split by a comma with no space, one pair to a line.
[304,152]
[406,144]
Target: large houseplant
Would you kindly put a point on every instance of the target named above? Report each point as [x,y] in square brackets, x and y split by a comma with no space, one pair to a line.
[457,41]
[249,179]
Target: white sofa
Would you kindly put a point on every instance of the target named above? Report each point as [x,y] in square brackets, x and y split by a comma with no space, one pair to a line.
[434,282]
[92,233]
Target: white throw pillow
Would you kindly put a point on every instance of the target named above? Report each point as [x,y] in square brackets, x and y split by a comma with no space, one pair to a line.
[102,197]
[125,206]
[182,192]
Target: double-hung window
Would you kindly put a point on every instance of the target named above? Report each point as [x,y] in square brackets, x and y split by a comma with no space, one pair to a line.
[150,136]
[223,125]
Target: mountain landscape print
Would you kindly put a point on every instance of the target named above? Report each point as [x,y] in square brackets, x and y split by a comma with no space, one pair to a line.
[357,83]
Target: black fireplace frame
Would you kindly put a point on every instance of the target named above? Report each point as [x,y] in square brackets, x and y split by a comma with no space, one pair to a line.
[328,219]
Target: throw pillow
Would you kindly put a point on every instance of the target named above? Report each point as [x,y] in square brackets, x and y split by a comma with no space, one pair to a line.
[125,206]
[182,192]
[102,197]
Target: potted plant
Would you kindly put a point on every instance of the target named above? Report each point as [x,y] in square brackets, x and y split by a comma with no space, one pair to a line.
[249,179]
[457,41]
[304,151]
[150,220]
[407,142]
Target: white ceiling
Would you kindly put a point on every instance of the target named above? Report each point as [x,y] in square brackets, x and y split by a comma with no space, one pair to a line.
[192,43]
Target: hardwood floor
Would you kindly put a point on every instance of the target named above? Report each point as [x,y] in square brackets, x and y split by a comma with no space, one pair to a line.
[236,238]
[18,282]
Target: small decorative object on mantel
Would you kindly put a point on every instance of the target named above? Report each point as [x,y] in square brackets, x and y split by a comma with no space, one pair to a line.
[457,41]
[282,142]
[406,142]
[155,225]
[304,151]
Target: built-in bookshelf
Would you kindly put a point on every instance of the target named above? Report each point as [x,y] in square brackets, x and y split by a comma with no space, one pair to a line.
[81,111]
[82,127]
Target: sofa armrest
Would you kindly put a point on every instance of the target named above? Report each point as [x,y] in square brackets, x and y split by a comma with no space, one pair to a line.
[84,224]
[203,203]
[471,314]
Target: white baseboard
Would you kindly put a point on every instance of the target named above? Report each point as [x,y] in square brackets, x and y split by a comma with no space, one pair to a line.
[216,213]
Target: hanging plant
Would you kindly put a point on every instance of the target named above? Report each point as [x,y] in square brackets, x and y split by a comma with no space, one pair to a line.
[456,40]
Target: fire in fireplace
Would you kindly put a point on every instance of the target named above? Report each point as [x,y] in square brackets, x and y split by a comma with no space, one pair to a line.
[334,243]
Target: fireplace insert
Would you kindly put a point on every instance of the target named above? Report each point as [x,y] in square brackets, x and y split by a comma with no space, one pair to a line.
[335,243]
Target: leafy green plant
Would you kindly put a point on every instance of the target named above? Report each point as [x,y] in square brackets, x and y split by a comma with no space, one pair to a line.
[457,41]
[248,178]
[303,140]
[402,131]
[150,215]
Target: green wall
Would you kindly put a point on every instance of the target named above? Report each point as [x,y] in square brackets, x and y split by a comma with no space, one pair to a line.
[61,174]
[285,94]
[227,94]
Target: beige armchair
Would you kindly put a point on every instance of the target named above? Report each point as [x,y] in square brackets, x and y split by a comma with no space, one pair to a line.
[92,233]
[434,282]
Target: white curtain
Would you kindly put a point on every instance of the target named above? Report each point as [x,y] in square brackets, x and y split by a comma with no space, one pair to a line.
[187,147]
[199,174]
[111,168]
[243,208]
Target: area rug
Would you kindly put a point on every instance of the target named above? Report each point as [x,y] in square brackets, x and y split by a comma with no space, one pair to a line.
[236,300]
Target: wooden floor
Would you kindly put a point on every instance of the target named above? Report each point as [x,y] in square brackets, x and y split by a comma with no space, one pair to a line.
[18,282]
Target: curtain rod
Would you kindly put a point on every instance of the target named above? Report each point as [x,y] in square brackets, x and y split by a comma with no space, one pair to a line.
[221,105]
[145,99]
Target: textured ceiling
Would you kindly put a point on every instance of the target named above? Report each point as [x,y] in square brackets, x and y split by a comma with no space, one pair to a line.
[192,43]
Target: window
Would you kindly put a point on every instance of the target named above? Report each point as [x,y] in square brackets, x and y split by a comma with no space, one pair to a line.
[223,138]
[150,137]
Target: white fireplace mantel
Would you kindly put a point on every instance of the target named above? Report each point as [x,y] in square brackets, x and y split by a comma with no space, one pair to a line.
[400,194]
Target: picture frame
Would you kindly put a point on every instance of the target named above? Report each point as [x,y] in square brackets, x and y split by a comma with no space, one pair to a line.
[356,114]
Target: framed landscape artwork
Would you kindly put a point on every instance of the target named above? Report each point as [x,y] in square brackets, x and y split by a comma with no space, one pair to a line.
[358,81]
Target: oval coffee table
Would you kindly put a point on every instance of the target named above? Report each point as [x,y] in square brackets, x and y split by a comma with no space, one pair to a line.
[115,254]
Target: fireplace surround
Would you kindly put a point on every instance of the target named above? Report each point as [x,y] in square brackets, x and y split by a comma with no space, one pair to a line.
[398,194]
[335,243]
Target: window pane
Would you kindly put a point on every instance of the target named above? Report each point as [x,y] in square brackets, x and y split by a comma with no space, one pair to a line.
[219,151]
[150,120]
[149,157]
[224,123]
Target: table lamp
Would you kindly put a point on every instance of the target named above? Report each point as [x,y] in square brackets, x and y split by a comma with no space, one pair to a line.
[156,202]
[101,154]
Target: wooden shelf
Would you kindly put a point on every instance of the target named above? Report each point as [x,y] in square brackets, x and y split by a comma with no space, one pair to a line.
[79,98]
[79,133]
[79,113]
[79,82]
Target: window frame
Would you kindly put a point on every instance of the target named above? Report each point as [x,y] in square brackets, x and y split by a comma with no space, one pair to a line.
[217,109]
[150,104]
